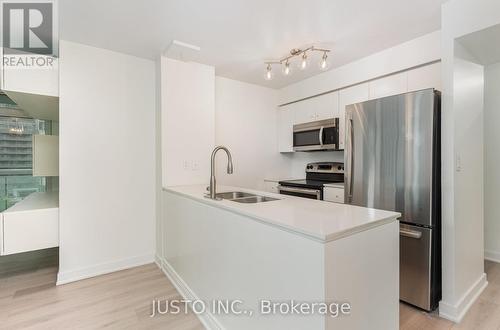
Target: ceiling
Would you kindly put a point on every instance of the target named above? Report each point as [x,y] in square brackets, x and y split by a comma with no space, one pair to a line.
[238,36]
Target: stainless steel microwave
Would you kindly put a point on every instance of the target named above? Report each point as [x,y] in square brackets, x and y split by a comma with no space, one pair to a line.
[316,136]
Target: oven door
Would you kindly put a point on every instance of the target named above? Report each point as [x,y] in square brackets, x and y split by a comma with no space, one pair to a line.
[318,135]
[301,192]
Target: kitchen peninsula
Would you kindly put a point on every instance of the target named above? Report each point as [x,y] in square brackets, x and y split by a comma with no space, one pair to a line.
[281,249]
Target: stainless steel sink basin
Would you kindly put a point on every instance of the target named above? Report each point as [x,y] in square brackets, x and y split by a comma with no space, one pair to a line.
[233,195]
[243,197]
[254,199]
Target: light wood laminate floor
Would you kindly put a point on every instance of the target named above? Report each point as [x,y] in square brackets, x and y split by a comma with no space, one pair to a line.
[483,315]
[122,300]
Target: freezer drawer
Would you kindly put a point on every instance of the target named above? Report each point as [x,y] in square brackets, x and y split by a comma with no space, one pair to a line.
[415,263]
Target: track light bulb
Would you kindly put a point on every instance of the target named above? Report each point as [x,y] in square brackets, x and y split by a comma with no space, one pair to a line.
[323,65]
[303,63]
[269,73]
[286,68]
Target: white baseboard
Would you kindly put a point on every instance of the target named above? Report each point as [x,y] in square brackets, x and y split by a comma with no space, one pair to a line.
[207,319]
[104,268]
[457,311]
[158,261]
[492,256]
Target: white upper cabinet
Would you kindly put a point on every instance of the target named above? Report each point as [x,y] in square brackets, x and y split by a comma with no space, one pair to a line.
[390,85]
[351,95]
[304,111]
[327,106]
[332,105]
[317,108]
[428,76]
[286,117]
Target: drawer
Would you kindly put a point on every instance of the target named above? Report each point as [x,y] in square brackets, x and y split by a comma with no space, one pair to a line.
[335,195]
[30,230]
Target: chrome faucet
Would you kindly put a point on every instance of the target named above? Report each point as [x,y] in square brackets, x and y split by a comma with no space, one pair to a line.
[213,194]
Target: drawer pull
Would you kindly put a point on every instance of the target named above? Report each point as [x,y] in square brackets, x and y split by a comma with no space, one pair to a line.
[410,233]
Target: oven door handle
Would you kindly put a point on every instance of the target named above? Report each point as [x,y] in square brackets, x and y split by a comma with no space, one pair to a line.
[313,192]
[321,135]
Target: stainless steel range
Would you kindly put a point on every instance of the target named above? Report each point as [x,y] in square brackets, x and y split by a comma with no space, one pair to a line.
[317,175]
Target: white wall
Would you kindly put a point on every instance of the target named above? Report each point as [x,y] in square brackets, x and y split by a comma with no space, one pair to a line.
[188,121]
[492,162]
[246,123]
[463,279]
[468,109]
[410,54]
[107,161]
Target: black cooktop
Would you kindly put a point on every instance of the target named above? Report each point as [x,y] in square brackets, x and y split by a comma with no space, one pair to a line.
[313,184]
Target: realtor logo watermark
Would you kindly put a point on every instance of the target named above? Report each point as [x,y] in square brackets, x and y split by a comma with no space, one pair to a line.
[28,33]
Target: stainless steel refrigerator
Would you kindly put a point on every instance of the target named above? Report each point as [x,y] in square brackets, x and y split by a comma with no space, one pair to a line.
[392,162]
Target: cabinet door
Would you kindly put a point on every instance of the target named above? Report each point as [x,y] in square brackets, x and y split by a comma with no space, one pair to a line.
[305,111]
[351,95]
[335,195]
[391,85]
[428,76]
[285,128]
[30,230]
[327,106]
[45,155]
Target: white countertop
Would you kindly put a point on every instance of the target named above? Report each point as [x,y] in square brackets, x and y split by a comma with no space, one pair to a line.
[280,179]
[335,185]
[36,201]
[322,221]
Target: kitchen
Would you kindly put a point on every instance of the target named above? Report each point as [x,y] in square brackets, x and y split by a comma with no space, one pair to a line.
[137,127]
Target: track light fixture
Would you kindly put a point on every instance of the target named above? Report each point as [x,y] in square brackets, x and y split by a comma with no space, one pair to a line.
[304,63]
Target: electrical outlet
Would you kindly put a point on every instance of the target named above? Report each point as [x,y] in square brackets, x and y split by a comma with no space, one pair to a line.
[458,163]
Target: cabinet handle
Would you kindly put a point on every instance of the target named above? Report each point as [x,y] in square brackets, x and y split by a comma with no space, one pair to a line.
[350,157]
[410,233]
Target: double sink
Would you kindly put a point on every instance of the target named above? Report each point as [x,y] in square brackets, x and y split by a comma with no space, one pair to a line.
[243,197]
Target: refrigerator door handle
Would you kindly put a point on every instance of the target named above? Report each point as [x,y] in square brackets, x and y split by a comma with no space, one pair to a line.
[410,233]
[351,161]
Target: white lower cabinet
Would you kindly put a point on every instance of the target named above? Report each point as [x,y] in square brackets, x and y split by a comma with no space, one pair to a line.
[333,194]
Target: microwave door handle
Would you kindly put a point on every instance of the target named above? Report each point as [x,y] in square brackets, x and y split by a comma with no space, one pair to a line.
[321,135]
